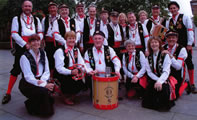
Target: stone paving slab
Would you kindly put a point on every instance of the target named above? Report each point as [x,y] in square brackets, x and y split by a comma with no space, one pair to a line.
[185,109]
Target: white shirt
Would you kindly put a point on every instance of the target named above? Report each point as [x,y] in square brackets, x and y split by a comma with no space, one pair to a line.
[188,24]
[128,70]
[49,32]
[56,32]
[59,61]
[103,27]
[25,29]
[117,33]
[92,26]
[80,22]
[166,69]
[177,63]
[134,35]
[101,57]
[44,73]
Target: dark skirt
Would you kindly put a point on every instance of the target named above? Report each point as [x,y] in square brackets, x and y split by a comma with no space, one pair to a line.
[158,100]
[134,86]
[68,85]
[39,100]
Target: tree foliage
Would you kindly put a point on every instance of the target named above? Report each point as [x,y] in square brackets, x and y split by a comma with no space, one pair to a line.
[128,5]
[13,7]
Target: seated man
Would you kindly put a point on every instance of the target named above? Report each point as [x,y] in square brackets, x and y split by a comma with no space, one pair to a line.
[178,54]
[99,57]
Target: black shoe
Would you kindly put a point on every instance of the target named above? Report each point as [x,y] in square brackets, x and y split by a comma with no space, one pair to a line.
[188,89]
[193,89]
[6,98]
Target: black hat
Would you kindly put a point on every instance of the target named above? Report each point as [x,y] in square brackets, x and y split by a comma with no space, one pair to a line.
[80,4]
[171,33]
[63,6]
[99,33]
[51,4]
[173,3]
[104,11]
[114,14]
[155,6]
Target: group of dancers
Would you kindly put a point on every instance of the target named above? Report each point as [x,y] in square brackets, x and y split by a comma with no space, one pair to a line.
[154,65]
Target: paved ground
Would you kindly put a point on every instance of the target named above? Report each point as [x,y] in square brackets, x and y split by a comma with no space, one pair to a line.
[185,109]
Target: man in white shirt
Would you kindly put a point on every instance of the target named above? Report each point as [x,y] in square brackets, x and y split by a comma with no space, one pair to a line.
[47,25]
[99,57]
[79,18]
[183,25]
[22,27]
[64,24]
[137,32]
[91,24]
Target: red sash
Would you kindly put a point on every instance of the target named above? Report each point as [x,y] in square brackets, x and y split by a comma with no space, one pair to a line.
[172,84]
[143,81]
[138,46]
[117,44]
[25,38]
[49,39]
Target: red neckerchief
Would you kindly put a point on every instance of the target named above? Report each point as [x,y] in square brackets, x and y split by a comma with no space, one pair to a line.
[174,16]
[81,16]
[124,25]
[68,50]
[66,21]
[133,26]
[170,49]
[155,18]
[92,21]
[130,57]
[99,51]
[28,20]
[104,22]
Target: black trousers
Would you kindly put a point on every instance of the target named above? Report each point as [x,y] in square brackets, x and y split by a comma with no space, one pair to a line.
[16,70]
[189,61]
[50,50]
[70,86]
[39,100]
[157,100]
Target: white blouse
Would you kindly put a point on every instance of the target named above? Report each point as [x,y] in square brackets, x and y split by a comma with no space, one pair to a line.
[128,69]
[166,69]
[44,73]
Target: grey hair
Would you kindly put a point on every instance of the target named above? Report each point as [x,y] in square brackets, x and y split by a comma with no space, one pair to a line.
[129,42]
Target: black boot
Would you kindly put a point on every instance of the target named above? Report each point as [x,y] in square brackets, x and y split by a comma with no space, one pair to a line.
[188,89]
[193,89]
[6,98]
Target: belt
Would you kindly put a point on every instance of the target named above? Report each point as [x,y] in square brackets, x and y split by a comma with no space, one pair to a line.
[26,38]
[117,44]
[138,46]
[49,39]
[91,40]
